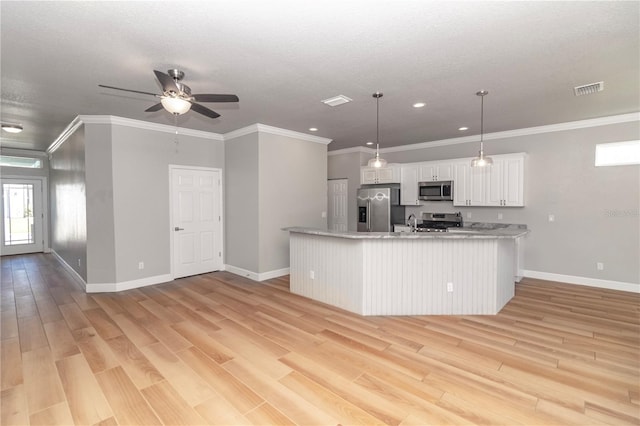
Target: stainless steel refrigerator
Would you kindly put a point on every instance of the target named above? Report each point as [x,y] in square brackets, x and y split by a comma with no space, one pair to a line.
[379,208]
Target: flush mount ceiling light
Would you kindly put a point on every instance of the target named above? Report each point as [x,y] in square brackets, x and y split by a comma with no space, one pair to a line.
[419,104]
[377,161]
[481,160]
[463,128]
[336,100]
[313,129]
[12,128]
[369,143]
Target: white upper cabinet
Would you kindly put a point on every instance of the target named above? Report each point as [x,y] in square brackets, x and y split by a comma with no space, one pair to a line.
[409,185]
[501,184]
[371,175]
[436,170]
[505,181]
[468,184]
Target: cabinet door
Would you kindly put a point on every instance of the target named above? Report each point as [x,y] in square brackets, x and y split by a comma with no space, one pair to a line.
[368,175]
[389,175]
[461,183]
[494,194]
[427,172]
[444,171]
[409,186]
[513,182]
[477,179]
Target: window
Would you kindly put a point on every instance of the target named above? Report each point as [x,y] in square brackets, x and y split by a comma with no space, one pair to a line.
[26,162]
[618,153]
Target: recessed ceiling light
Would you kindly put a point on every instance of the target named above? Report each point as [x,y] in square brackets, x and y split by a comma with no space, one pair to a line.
[12,128]
[462,129]
[336,100]
[313,129]
[369,143]
[419,104]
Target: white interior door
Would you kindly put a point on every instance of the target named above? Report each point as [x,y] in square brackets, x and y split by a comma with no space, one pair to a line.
[196,229]
[338,206]
[22,216]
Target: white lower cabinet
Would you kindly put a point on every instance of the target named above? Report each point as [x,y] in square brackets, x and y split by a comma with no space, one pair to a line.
[409,185]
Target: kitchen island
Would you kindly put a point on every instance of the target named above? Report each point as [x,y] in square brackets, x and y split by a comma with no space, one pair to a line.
[385,273]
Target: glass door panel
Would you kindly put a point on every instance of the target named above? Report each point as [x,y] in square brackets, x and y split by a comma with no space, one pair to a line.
[21,216]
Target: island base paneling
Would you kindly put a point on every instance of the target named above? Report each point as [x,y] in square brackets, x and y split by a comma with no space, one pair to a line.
[394,276]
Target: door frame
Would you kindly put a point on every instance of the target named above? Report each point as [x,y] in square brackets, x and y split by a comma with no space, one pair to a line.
[44,181]
[173,167]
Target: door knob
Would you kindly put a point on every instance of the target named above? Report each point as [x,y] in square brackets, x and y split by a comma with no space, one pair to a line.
[178,229]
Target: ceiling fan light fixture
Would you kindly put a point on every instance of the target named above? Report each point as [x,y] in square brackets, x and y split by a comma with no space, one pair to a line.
[481,160]
[175,105]
[12,128]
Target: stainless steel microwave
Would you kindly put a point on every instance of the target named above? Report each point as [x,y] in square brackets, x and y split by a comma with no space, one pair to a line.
[436,190]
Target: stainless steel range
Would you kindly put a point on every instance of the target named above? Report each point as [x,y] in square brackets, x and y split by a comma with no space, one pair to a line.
[439,222]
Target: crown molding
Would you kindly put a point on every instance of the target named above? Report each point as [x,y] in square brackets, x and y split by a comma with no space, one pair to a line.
[560,127]
[263,128]
[146,125]
[127,122]
[355,149]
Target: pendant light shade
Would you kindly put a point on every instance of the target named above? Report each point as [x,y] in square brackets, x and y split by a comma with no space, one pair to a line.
[481,160]
[376,161]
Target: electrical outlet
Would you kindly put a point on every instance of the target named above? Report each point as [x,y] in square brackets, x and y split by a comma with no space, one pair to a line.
[600,266]
[140,265]
[552,218]
[324,215]
[312,275]
[79,262]
[449,287]
[468,215]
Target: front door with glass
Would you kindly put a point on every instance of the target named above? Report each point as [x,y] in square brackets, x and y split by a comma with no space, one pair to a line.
[21,209]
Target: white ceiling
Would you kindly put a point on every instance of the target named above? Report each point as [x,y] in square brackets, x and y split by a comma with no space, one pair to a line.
[283,57]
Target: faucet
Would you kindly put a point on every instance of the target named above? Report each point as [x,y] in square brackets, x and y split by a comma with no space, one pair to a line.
[415,222]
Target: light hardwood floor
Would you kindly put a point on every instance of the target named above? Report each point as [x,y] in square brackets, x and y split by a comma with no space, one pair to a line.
[220,349]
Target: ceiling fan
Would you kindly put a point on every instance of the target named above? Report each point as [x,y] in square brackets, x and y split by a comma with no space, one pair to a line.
[176,97]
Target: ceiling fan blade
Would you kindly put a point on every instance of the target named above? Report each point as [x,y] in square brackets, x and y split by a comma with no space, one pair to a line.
[215,98]
[153,108]
[204,110]
[167,83]
[127,90]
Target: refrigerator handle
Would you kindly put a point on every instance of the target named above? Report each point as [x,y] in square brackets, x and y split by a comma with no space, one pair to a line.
[368,215]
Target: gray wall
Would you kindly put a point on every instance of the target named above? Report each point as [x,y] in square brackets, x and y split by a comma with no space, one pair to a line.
[141,189]
[110,198]
[101,261]
[273,181]
[293,192]
[242,202]
[595,208]
[68,202]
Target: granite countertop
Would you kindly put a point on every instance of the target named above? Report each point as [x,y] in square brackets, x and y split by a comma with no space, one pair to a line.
[459,233]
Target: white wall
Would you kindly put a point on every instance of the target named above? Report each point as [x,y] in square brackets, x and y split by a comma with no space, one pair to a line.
[596,208]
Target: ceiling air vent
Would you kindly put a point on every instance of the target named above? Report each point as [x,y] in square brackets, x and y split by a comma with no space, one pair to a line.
[588,89]
[337,100]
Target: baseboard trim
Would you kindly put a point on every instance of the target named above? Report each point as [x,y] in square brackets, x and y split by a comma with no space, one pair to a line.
[254,275]
[69,269]
[590,282]
[128,285]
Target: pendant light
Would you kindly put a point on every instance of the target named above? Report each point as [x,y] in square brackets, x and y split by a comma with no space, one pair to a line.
[481,160]
[376,161]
